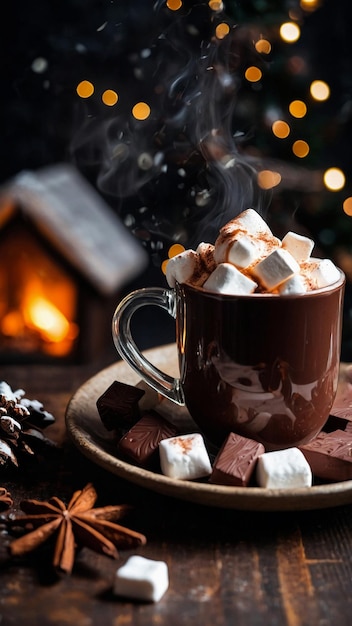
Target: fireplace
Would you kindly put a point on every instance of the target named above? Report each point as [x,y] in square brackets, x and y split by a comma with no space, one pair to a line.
[64,258]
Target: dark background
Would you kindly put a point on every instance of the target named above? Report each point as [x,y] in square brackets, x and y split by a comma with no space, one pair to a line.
[43,120]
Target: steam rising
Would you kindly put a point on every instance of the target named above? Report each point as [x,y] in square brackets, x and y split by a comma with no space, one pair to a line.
[178,174]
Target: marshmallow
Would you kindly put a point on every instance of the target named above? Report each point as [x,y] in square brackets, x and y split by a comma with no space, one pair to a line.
[275,269]
[227,279]
[243,252]
[142,579]
[205,252]
[320,273]
[184,457]
[283,469]
[248,224]
[292,286]
[180,268]
[299,246]
[247,258]
[189,267]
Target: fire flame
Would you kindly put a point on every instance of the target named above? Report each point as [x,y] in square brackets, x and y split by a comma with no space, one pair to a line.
[45,317]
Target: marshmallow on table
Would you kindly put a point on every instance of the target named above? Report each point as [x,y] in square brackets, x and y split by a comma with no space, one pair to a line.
[299,246]
[184,457]
[275,269]
[142,579]
[320,272]
[227,279]
[283,469]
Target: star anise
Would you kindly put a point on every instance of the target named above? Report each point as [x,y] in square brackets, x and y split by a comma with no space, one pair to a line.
[5,499]
[21,421]
[78,524]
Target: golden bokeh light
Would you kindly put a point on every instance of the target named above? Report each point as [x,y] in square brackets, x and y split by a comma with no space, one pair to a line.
[215,5]
[222,30]
[85,89]
[175,249]
[281,129]
[164,265]
[174,5]
[319,90]
[267,179]
[110,97]
[141,111]
[334,179]
[347,206]
[290,32]
[310,5]
[297,108]
[300,148]
[263,46]
[253,74]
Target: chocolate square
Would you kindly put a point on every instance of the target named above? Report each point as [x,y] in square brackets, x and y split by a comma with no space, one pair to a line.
[235,461]
[330,455]
[141,442]
[118,406]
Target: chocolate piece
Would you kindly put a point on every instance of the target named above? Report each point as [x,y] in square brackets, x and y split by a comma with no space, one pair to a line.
[118,406]
[235,461]
[141,442]
[336,423]
[330,455]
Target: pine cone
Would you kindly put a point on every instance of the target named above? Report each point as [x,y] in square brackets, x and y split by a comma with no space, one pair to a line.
[21,421]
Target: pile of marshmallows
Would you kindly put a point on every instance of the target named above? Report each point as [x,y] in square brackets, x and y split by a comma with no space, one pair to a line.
[247,258]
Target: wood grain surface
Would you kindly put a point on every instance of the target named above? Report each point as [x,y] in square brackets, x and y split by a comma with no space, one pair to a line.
[226,566]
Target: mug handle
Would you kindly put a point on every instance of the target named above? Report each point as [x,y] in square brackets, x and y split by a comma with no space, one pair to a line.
[121,331]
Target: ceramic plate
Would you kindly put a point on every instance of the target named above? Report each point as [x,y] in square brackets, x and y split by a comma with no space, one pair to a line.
[95,442]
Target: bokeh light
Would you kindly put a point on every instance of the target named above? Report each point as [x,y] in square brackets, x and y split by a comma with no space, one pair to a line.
[334,179]
[174,5]
[253,74]
[319,90]
[300,148]
[347,206]
[110,97]
[267,179]
[175,249]
[290,32]
[280,129]
[85,89]
[215,5]
[310,5]
[141,111]
[263,46]
[297,108]
[222,30]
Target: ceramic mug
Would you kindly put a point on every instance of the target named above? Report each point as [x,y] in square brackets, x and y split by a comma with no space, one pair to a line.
[264,366]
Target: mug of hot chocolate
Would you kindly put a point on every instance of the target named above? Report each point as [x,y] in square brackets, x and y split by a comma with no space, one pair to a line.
[258,334]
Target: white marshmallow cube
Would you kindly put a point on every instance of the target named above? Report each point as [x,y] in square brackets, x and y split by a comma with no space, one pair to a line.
[184,457]
[250,223]
[243,252]
[323,273]
[180,268]
[283,469]
[299,246]
[292,286]
[275,269]
[142,579]
[227,279]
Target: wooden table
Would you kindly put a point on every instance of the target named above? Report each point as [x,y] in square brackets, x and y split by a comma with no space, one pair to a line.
[226,567]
